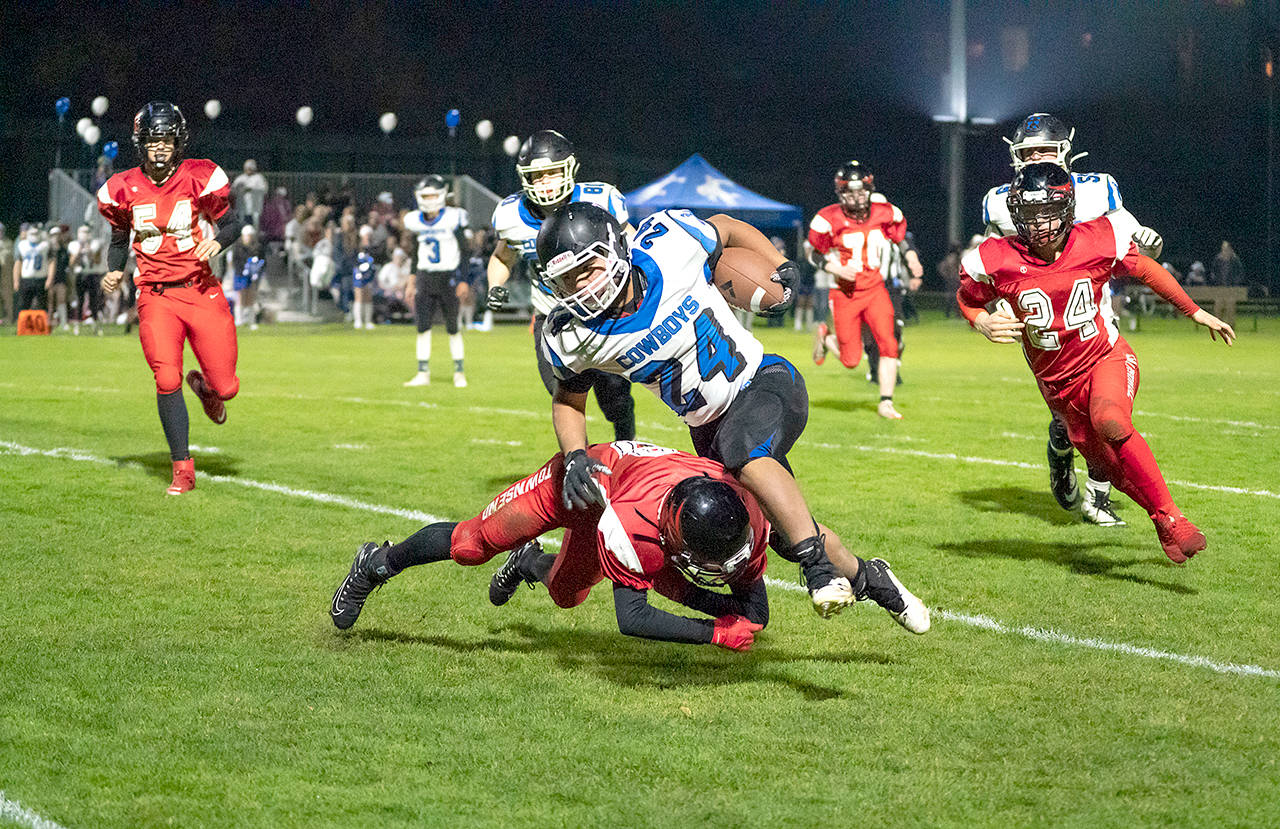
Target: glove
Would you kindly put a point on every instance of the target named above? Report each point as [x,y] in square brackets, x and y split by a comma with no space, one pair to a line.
[788,276]
[1148,240]
[580,490]
[736,633]
[498,296]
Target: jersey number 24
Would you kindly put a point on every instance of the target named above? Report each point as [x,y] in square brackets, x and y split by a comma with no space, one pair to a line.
[1078,316]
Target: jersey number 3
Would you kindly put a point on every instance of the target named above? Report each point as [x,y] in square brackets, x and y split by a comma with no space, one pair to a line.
[1078,316]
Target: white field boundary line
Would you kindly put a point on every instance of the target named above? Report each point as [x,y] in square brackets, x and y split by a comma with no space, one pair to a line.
[982,622]
[12,811]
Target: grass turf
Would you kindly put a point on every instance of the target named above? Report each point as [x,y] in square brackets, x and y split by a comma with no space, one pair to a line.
[170,660]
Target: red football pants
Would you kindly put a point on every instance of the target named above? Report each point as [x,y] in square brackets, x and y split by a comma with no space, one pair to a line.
[850,309]
[1097,407]
[199,314]
[526,510]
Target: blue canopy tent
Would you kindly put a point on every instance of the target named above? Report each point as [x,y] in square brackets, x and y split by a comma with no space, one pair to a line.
[699,187]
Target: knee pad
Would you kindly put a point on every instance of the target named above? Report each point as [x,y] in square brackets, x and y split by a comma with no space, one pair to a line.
[168,379]
[1111,423]
[466,546]
[229,390]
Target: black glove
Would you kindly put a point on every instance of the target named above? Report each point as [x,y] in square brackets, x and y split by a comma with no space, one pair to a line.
[498,296]
[788,276]
[579,490]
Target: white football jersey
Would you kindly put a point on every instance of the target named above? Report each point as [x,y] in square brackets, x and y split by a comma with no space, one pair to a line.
[1096,195]
[518,226]
[438,238]
[34,257]
[683,342]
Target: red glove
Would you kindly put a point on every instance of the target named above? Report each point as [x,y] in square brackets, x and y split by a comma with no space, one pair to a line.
[735,632]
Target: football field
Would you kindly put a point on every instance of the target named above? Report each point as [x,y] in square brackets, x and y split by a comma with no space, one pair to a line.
[170,660]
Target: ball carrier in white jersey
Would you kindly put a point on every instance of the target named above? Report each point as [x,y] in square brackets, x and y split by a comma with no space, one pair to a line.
[1040,137]
[648,311]
[442,233]
[547,166]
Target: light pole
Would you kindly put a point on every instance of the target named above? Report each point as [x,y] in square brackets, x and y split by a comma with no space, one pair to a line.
[958,124]
[1269,69]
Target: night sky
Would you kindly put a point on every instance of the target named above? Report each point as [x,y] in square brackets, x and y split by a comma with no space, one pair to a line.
[1169,97]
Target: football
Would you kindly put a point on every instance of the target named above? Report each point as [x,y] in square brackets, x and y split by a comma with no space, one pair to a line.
[746,280]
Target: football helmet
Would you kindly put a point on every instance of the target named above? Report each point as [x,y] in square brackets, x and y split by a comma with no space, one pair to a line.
[705,531]
[1042,203]
[1040,130]
[160,119]
[854,186]
[571,239]
[431,193]
[547,166]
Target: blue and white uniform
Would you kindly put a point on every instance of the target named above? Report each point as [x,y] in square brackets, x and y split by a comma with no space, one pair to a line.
[518,226]
[683,341]
[1097,194]
[439,248]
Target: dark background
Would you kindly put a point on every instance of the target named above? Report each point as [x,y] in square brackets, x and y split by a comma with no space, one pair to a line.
[1169,97]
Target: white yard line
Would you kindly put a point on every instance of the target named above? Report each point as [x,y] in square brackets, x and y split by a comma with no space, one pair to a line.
[12,811]
[981,622]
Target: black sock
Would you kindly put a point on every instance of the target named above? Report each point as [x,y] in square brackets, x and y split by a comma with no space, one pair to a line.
[885,397]
[427,545]
[859,582]
[1059,441]
[173,419]
[541,566]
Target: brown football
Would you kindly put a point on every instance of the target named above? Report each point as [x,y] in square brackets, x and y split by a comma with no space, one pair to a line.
[746,280]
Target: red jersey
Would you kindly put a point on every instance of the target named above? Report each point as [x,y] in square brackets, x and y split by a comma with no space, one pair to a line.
[1065,304]
[627,534]
[168,220]
[865,244]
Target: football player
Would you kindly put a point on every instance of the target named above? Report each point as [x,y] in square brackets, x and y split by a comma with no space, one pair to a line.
[1086,371]
[1039,138]
[648,311]
[548,167]
[247,265]
[172,207]
[855,237]
[87,263]
[442,237]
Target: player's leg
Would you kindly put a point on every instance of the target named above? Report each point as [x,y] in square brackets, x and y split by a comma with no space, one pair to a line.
[1095,504]
[1061,456]
[422,308]
[162,332]
[613,393]
[880,319]
[575,570]
[447,296]
[823,338]
[846,316]
[212,332]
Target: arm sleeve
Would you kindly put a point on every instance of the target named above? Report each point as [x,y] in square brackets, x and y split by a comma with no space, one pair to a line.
[1149,272]
[820,234]
[118,252]
[636,617]
[228,230]
[973,296]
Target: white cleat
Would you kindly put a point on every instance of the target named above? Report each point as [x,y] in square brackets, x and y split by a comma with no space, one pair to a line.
[886,410]
[914,615]
[422,378]
[459,380]
[832,597]
[1096,508]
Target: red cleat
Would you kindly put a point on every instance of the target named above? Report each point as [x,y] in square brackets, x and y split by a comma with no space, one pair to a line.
[820,343]
[184,477]
[1178,536]
[213,405]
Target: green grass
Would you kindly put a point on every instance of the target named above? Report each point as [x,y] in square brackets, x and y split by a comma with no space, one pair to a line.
[169,661]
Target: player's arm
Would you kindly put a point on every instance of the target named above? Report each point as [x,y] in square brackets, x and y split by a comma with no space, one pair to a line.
[498,272]
[117,256]
[228,232]
[751,600]
[636,617]
[738,234]
[48,272]
[908,250]
[973,297]
[1148,271]
[17,272]
[569,420]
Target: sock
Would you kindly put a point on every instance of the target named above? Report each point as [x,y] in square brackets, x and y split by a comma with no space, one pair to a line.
[885,397]
[239,313]
[357,312]
[1142,479]
[488,319]
[424,349]
[368,314]
[1058,440]
[173,419]
[541,566]
[455,350]
[429,544]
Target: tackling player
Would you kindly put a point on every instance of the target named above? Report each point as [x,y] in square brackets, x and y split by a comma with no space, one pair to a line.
[547,166]
[1054,276]
[442,237]
[172,206]
[648,312]
[855,237]
[1041,137]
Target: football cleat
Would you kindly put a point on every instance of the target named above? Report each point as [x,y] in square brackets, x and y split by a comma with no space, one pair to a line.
[213,405]
[184,477]
[820,343]
[1062,478]
[1096,507]
[459,380]
[369,570]
[1179,538]
[507,580]
[422,378]
[886,410]
[883,588]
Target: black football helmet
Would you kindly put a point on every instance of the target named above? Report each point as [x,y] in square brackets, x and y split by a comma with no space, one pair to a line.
[572,238]
[1042,203]
[431,193]
[541,156]
[160,119]
[854,186]
[705,531]
[1040,130]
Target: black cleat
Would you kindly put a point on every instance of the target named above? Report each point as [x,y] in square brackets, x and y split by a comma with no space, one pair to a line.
[1062,478]
[507,580]
[369,570]
[882,587]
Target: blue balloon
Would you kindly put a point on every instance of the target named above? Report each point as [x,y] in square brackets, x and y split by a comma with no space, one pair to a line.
[452,118]
[110,150]
[62,106]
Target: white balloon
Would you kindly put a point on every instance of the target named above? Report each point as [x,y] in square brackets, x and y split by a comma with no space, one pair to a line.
[305,116]
[484,130]
[92,134]
[82,125]
[212,108]
[387,122]
[511,145]
[99,105]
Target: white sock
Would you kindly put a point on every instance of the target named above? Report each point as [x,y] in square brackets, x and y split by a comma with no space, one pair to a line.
[357,312]
[424,350]
[455,350]
[488,318]
[239,313]
[368,314]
